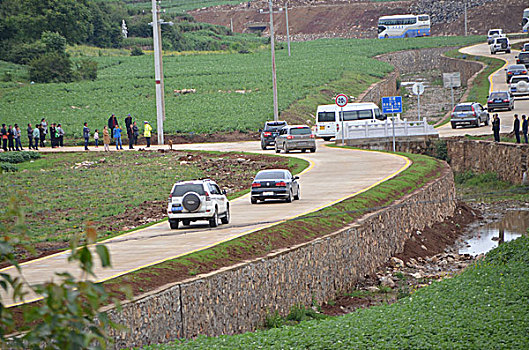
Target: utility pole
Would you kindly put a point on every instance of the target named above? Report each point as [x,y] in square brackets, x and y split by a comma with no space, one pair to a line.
[272,47]
[231,24]
[288,31]
[158,69]
[466,23]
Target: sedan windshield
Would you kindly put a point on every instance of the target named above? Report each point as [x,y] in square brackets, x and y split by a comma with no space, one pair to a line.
[270,175]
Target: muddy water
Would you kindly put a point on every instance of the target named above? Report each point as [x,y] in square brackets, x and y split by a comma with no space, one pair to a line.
[482,239]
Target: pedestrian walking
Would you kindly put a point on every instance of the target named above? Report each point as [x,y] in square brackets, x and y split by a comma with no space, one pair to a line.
[53,135]
[516,128]
[147,128]
[86,135]
[112,123]
[117,137]
[135,132]
[60,135]
[3,134]
[96,137]
[10,138]
[43,131]
[525,127]
[106,139]
[18,135]
[496,127]
[36,137]
[30,136]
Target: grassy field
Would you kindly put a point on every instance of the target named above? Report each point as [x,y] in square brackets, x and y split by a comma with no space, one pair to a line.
[483,308]
[176,6]
[60,193]
[233,91]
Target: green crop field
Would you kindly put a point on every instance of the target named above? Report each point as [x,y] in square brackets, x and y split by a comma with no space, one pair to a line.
[177,6]
[486,307]
[233,91]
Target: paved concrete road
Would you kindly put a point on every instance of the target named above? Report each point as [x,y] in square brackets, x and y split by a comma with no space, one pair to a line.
[334,175]
[521,104]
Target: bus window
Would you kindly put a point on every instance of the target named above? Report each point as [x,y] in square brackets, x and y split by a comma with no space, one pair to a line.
[379,115]
[424,18]
[357,115]
[326,117]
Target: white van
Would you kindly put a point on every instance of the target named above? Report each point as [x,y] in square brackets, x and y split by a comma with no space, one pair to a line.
[328,122]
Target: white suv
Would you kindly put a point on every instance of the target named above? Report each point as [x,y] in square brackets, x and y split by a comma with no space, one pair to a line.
[500,44]
[197,200]
[519,85]
[493,34]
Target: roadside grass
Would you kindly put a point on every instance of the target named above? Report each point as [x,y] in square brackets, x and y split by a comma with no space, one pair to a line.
[488,187]
[60,196]
[483,308]
[481,87]
[296,231]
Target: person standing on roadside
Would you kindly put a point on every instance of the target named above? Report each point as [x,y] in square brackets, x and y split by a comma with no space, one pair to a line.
[53,134]
[18,135]
[496,127]
[43,131]
[135,133]
[112,123]
[60,135]
[128,124]
[86,135]
[10,138]
[147,129]
[516,128]
[525,127]
[3,134]
[117,137]
[36,137]
[30,136]
[106,139]
[96,137]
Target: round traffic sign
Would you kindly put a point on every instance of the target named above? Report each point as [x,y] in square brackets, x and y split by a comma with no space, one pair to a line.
[341,100]
[418,88]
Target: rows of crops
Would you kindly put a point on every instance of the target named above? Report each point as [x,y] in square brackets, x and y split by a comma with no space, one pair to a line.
[177,6]
[233,91]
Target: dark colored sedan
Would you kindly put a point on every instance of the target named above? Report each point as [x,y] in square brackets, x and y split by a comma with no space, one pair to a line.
[270,132]
[500,100]
[513,70]
[274,184]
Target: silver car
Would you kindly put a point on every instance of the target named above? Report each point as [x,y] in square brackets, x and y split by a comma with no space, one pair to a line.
[295,137]
[469,113]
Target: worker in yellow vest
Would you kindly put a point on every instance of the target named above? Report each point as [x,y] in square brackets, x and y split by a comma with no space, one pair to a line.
[147,132]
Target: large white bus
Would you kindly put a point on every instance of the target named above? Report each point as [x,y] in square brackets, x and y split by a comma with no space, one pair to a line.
[525,19]
[403,26]
[328,121]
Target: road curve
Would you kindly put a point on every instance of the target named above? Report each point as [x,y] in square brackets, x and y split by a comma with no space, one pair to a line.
[334,174]
[498,83]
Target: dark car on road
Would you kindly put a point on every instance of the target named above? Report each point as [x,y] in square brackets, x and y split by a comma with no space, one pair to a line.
[270,132]
[469,113]
[274,184]
[500,100]
[523,58]
[514,70]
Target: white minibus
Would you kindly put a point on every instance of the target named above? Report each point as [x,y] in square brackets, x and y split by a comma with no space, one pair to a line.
[328,121]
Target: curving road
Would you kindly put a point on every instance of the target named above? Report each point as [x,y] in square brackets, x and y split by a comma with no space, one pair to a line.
[498,83]
[334,174]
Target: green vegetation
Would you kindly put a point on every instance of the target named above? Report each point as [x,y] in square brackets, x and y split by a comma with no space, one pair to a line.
[488,187]
[61,193]
[483,308]
[481,87]
[233,91]
[176,6]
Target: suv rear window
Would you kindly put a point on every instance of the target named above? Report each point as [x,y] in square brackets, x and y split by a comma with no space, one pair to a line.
[300,131]
[326,117]
[463,108]
[180,190]
[502,41]
[494,32]
[274,126]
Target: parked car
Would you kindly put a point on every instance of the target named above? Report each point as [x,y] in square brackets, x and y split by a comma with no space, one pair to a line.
[523,58]
[513,70]
[270,132]
[519,85]
[197,200]
[295,137]
[500,100]
[493,34]
[525,48]
[274,184]
[469,113]
[501,44]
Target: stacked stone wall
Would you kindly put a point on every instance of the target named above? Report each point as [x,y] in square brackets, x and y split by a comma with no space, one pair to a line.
[238,298]
[386,87]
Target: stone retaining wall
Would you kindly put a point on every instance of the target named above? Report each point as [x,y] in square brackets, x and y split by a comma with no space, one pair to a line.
[237,299]
[386,87]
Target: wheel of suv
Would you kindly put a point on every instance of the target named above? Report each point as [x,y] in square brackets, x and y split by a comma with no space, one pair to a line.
[173,223]
[191,202]
[487,120]
[478,123]
[453,125]
[312,150]
[253,200]
[226,218]
[214,221]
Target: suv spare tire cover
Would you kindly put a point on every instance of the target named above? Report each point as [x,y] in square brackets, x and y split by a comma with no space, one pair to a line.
[522,86]
[503,45]
[191,201]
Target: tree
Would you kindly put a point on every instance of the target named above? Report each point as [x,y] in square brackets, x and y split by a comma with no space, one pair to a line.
[87,69]
[54,42]
[51,67]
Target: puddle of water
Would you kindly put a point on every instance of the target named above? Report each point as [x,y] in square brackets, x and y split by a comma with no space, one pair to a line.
[514,224]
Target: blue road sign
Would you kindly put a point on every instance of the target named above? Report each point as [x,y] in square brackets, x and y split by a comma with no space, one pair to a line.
[392,104]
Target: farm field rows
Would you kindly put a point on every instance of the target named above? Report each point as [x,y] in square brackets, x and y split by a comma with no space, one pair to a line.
[233,91]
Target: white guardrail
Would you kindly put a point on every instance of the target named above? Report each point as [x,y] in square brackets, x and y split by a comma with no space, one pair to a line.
[398,128]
